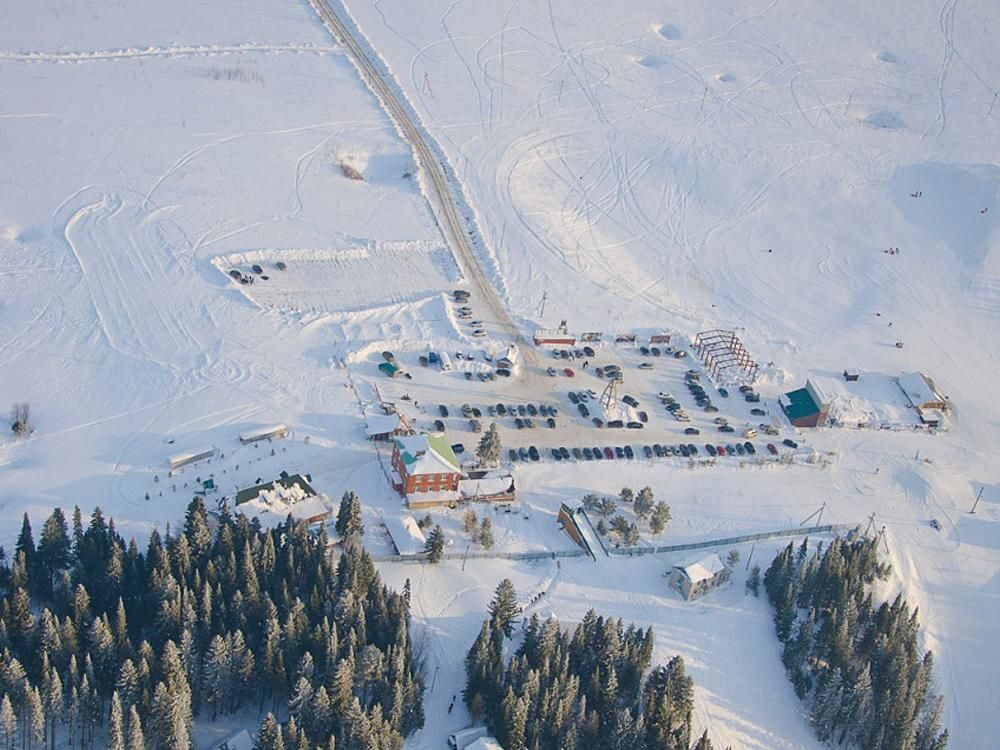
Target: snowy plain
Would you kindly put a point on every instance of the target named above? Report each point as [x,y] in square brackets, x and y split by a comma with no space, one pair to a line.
[725,165]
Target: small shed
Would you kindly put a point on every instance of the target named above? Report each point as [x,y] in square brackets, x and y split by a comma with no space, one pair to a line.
[489,488]
[389,369]
[698,576]
[192,456]
[407,537]
[273,432]
[510,359]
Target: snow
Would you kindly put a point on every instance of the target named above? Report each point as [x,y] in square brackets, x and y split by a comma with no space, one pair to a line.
[702,568]
[407,537]
[644,168]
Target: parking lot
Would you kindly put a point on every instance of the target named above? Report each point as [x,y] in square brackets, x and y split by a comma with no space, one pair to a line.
[665,407]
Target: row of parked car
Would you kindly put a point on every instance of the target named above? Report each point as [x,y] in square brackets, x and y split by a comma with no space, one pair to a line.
[611,453]
[581,353]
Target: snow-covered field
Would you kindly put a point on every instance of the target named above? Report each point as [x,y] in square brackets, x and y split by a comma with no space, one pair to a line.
[724,165]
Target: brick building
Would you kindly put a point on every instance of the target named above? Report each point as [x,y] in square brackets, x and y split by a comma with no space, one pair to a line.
[424,463]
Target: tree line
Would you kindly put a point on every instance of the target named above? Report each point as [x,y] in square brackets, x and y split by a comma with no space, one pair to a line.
[585,689]
[102,645]
[857,663]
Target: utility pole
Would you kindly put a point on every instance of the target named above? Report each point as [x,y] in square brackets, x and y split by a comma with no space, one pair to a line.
[541,305]
[977,500]
[427,86]
[465,556]
[871,523]
[814,514]
[750,556]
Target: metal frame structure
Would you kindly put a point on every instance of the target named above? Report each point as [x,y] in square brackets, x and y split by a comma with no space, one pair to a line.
[723,353]
[609,397]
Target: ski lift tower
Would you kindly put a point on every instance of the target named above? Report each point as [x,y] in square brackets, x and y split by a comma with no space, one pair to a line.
[609,397]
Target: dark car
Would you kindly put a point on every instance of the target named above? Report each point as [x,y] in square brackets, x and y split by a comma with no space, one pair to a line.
[772,449]
[512,454]
[726,428]
[635,425]
[588,454]
[458,448]
[749,448]
[752,398]
[501,410]
[730,449]
[280,265]
[584,411]
[424,362]
[609,454]
[519,423]
[551,423]
[740,449]
[724,393]
[711,408]
[790,443]
[256,269]
[648,450]
[531,409]
[574,399]
[619,452]
[523,453]
[477,412]
[588,351]
[629,453]
[529,423]
[656,351]
[721,450]
[564,453]
[616,423]
[644,351]
[388,356]
[236,274]
[439,425]
[692,431]
[758,412]
[503,373]
[683,449]
[598,454]
[630,401]
[643,416]
[598,422]
[553,411]
[521,409]
[556,454]
[658,450]
[711,449]
[443,410]
[577,454]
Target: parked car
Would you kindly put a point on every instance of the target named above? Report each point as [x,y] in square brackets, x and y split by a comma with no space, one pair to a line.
[280,265]
[479,333]
[721,450]
[458,448]
[443,410]
[748,446]
[630,401]
[568,372]
[588,351]
[619,452]
[740,449]
[692,431]
[643,416]
[935,524]
[629,453]
[556,454]
[752,398]
[466,410]
[523,453]
[475,425]
[724,393]
[564,453]
[680,354]
[256,269]
[588,454]
[492,410]
[502,372]
[550,371]
[656,351]
[574,398]
[531,409]
[577,454]
[501,410]
[634,425]
[683,450]
[648,451]
[598,422]
[772,449]
[551,423]
[758,412]
[726,428]
[529,423]
[512,455]
[388,356]
[584,411]
[609,454]
[519,423]
[598,454]
[658,450]
[790,443]
[645,365]
[711,449]
[438,425]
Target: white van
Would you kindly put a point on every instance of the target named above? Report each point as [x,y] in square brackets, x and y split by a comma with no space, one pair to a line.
[445,362]
[465,737]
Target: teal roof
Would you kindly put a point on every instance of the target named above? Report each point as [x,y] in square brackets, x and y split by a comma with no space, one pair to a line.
[799,404]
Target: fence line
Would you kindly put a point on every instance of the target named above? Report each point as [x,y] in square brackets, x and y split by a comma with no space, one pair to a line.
[620,551]
[796,531]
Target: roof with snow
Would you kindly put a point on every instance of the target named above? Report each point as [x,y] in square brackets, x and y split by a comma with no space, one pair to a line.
[702,569]
[382,424]
[406,536]
[491,484]
[428,453]
[484,743]
[295,484]
[272,510]
[239,741]
[919,388]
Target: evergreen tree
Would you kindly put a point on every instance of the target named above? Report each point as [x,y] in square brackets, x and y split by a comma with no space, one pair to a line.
[136,738]
[8,723]
[116,729]
[486,534]
[54,545]
[644,502]
[470,524]
[660,517]
[435,545]
[349,523]
[489,449]
[504,609]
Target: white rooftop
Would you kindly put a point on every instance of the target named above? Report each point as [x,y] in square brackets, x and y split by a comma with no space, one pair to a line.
[427,454]
[702,569]
[272,507]
[484,743]
[239,741]
[918,388]
[406,535]
[381,424]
